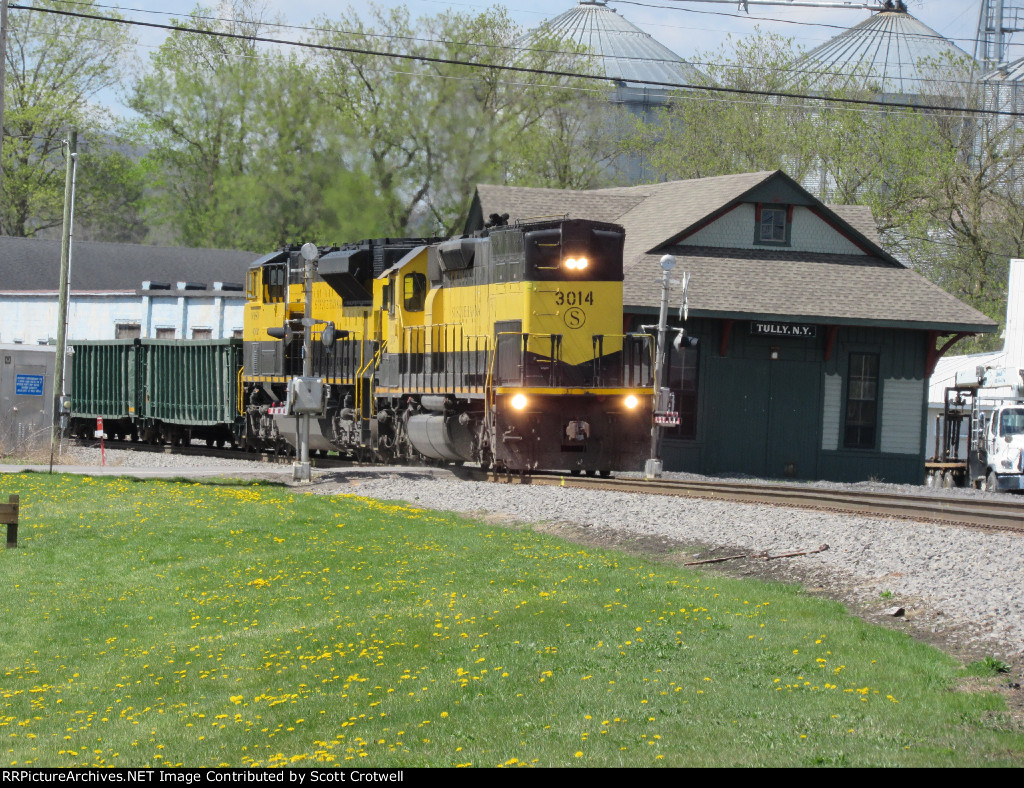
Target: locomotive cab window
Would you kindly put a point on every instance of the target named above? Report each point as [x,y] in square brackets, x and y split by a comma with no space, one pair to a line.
[252,284]
[275,283]
[415,291]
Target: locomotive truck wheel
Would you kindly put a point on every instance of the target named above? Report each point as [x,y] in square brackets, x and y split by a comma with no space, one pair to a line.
[575,471]
[606,472]
[592,472]
[949,480]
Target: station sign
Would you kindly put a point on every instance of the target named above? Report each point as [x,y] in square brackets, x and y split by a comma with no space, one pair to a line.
[796,330]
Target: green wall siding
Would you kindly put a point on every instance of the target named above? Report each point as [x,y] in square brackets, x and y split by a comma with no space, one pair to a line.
[783,418]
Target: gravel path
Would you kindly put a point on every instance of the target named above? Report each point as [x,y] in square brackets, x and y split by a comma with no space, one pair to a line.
[959,587]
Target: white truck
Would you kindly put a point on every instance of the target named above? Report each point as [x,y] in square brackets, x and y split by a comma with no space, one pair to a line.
[979,438]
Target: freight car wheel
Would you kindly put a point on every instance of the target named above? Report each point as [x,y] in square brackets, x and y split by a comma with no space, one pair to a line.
[575,471]
[949,480]
[990,482]
[606,472]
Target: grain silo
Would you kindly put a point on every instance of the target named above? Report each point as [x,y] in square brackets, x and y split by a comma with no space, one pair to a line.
[620,50]
[891,53]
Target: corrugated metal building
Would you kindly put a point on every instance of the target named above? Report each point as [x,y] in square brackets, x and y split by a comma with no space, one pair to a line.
[120,291]
[815,344]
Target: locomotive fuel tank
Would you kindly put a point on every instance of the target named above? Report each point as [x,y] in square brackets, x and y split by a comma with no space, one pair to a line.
[441,437]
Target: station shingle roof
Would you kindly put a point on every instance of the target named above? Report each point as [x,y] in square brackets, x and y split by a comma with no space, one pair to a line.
[34,264]
[873,288]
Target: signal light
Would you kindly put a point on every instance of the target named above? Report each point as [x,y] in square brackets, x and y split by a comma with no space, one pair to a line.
[519,401]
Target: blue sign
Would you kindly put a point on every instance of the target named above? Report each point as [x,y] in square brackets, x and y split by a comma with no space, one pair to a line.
[30,385]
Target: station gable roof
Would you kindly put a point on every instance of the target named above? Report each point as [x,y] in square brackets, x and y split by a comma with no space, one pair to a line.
[850,279]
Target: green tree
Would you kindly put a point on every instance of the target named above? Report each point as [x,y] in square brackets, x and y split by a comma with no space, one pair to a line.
[243,156]
[709,132]
[57,67]
[428,130]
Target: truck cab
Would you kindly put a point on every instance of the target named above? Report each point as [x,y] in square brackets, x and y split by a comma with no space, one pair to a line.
[997,451]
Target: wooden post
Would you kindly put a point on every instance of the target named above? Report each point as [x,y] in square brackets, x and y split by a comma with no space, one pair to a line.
[9,515]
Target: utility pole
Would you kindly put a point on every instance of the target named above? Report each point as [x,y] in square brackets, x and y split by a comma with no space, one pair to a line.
[3,87]
[60,362]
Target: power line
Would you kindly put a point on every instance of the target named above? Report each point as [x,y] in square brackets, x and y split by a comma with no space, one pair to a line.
[504,47]
[525,69]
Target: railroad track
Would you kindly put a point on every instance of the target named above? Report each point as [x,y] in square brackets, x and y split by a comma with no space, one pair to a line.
[1003,514]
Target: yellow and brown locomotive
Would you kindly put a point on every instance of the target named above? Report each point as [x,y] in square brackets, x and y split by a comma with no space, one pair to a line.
[504,348]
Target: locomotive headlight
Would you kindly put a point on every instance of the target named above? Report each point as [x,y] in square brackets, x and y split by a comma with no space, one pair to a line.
[576,263]
[519,401]
[632,401]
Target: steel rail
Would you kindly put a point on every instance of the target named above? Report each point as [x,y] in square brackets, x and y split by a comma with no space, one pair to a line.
[1005,515]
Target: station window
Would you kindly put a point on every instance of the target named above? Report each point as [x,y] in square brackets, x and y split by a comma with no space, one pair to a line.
[774,223]
[682,380]
[861,401]
[127,331]
[165,333]
[202,333]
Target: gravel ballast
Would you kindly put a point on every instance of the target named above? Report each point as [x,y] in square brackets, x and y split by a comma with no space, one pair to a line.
[958,586]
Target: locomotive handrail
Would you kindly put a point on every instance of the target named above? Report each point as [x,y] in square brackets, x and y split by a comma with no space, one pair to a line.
[375,361]
[241,393]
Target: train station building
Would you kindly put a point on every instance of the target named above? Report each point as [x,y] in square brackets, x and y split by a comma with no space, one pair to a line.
[814,345]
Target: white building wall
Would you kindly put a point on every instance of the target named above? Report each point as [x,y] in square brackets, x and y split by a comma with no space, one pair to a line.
[1012,355]
[31,318]
[1013,344]
[808,233]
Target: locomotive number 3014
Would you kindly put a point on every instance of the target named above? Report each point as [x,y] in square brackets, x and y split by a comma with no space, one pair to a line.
[574,298]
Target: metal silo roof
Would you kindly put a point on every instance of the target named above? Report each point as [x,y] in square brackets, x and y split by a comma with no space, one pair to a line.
[889,50]
[619,48]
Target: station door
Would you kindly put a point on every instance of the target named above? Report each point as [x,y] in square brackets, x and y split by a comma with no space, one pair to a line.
[763,417]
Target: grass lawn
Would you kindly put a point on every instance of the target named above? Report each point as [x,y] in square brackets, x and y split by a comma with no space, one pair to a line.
[161,623]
